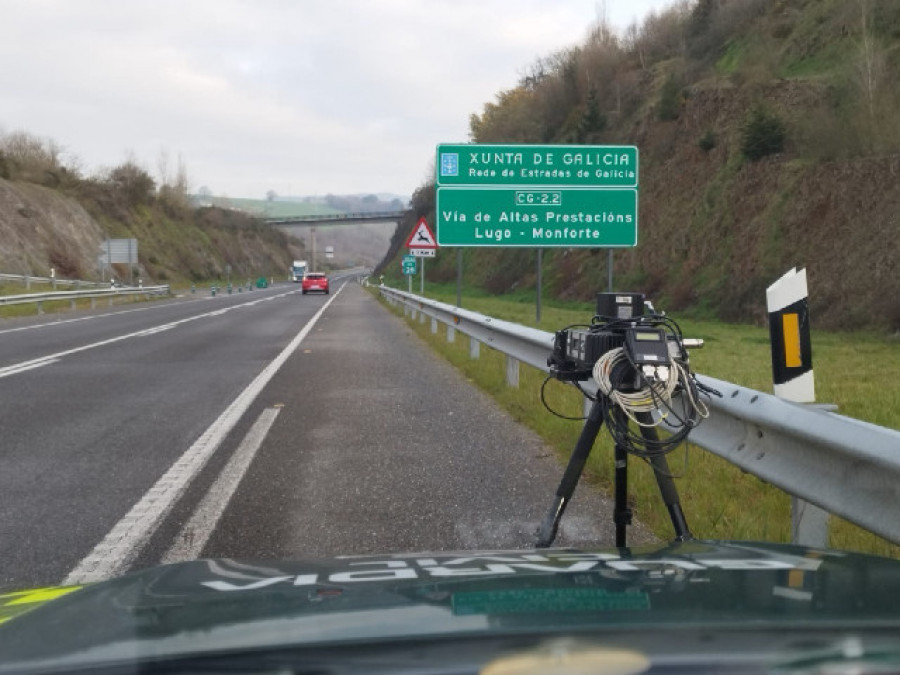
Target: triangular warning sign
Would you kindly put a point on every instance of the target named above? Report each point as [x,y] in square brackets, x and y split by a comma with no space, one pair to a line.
[422,236]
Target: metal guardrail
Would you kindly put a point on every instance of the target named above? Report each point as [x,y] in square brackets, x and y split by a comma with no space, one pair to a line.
[28,280]
[26,298]
[848,467]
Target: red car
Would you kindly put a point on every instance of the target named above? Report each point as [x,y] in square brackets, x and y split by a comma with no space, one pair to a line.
[314,282]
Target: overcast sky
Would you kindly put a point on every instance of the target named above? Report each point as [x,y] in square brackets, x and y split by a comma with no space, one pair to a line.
[298,96]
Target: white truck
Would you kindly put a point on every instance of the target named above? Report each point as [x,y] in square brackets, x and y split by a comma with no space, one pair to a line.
[298,269]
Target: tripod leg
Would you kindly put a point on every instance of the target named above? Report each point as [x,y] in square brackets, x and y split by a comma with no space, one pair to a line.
[621,512]
[548,529]
[666,483]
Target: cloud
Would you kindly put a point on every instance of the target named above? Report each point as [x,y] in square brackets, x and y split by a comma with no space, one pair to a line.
[303,96]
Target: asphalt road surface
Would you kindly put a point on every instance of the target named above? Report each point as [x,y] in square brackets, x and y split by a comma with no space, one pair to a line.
[263,426]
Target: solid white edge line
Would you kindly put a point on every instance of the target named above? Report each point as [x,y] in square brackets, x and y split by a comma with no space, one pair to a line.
[123,543]
[194,535]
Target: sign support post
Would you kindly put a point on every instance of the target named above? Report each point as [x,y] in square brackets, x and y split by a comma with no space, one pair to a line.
[609,271]
[459,275]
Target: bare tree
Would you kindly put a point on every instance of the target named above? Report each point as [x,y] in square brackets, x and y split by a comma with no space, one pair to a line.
[162,166]
[870,58]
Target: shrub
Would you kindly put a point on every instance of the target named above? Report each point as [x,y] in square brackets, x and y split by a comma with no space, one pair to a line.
[669,100]
[763,134]
[133,183]
[707,141]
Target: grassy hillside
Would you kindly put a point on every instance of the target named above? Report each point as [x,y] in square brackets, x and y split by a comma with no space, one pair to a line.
[52,217]
[768,138]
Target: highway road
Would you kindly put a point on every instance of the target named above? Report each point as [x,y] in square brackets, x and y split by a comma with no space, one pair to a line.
[264,425]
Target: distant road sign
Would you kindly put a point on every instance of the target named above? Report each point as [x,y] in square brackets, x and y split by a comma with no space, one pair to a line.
[610,166]
[421,237]
[118,251]
[423,252]
[408,264]
[554,217]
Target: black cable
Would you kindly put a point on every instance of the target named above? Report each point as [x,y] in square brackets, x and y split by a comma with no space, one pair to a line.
[551,410]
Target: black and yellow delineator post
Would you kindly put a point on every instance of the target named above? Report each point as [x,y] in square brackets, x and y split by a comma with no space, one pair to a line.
[792,372]
[788,307]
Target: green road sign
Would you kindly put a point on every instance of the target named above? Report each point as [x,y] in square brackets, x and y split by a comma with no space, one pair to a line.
[545,217]
[607,166]
[409,264]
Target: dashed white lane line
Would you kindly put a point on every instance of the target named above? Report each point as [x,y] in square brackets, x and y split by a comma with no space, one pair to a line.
[194,535]
[124,542]
[23,366]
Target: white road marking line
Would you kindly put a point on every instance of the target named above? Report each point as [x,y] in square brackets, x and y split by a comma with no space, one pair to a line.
[27,365]
[53,358]
[196,532]
[124,542]
[62,322]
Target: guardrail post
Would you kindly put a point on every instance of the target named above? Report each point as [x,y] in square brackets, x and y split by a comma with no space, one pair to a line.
[93,303]
[512,372]
[421,317]
[809,523]
[474,348]
[433,326]
[40,307]
[27,283]
[72,304]
[451,333]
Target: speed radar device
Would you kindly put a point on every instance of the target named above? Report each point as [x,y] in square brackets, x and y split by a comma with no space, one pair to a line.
[639,362]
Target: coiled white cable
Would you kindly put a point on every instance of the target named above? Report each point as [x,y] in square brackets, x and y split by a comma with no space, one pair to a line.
[655,396]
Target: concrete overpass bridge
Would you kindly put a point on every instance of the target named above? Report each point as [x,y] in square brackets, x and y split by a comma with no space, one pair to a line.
[338,218]
[367,244]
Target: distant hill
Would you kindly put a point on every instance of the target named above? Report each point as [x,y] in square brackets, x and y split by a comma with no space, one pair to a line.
[264,208]
[354,245]
[286,207]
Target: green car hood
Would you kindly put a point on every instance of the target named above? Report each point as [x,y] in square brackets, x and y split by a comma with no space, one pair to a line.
[223,606]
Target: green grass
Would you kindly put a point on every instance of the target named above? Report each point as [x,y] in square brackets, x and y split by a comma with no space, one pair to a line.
[856,371]
[729,61]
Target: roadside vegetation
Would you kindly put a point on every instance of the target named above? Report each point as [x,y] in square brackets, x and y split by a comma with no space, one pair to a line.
[853,370]
[768,139]
[58,216]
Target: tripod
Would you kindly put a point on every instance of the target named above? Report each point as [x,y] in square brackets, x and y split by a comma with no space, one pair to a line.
[621,512]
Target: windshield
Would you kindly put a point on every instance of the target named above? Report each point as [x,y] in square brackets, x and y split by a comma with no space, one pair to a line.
[447,320]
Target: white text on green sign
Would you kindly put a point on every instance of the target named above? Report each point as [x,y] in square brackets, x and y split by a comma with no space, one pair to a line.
[562,218]
[613,166]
